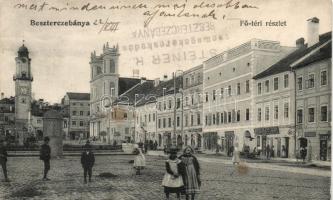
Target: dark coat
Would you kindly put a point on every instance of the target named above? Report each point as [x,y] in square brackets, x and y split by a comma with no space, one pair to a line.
[45,152]
[87,159]
[3,154]
[196,165]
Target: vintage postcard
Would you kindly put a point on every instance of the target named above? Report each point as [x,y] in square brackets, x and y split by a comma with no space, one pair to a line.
[165,99]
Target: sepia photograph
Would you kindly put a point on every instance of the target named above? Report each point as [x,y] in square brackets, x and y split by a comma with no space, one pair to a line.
[165,100]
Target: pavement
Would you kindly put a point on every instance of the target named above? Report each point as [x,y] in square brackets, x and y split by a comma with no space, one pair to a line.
[220,180]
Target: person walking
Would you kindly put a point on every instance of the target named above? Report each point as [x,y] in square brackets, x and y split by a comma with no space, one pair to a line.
[190,171]
[235,156]
[139,161]
[87,161]
[45,156]
[172,180]
[309,153]
[3,158]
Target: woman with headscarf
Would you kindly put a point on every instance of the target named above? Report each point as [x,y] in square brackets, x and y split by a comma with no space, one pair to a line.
[190,173]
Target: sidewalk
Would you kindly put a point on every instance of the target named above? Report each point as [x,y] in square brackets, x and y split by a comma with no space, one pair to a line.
[318,168]
[318,163]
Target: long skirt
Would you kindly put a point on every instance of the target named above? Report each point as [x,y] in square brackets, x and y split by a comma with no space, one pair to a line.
[191,180]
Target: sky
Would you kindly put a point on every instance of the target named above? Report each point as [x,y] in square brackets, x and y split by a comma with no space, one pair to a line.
[61,55]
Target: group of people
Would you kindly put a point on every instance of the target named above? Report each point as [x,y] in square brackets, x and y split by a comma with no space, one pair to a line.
[182,173]
[87,159]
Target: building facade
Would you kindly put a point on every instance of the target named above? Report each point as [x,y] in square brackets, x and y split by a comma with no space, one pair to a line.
[229,90]
[313,98]
[192,99]
[78,115]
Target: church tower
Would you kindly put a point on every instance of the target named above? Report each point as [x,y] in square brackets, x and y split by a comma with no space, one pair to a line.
[104,82]
[23,79]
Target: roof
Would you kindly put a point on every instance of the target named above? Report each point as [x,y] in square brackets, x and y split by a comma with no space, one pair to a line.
[284,64]
[52,114]
[78,96]
[125,84]
[323,53]
[147,92]
[10,100]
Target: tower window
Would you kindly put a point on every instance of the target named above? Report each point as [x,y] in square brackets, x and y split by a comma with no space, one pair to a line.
[24,74]
[112,67]
[98,70]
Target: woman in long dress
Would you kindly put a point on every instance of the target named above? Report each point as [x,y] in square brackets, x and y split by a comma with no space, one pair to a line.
[235,156]
[139,161]
[190,173]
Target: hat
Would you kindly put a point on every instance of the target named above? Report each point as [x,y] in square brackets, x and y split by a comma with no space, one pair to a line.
[173,150]
[46,139]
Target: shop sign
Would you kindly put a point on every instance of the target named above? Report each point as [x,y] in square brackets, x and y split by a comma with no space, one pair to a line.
[310,134]
[195,130]
[267,130]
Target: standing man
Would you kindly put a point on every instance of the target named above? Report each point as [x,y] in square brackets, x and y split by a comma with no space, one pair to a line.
[268,152]
[45,156]
[87,161]
[3,158]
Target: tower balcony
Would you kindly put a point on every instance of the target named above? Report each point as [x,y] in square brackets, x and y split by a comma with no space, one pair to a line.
[25,78]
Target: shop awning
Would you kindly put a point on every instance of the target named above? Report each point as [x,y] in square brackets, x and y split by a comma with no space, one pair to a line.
[266,130]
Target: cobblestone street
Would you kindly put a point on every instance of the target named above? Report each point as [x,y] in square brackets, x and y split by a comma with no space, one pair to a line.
[219,181]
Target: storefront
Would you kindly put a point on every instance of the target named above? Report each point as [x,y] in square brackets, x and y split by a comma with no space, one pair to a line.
[267,136]
[210,140]
[325,147]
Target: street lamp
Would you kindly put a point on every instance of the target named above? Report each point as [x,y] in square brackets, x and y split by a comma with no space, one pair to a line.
[174,74]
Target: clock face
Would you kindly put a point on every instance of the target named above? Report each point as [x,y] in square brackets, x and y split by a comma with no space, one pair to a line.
[24,90]
[24,60]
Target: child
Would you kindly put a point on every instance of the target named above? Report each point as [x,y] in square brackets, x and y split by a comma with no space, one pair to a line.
[139,161]
[172,181]
[87,161]
[190,172]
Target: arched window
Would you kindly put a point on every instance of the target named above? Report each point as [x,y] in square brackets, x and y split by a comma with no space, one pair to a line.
[112,67]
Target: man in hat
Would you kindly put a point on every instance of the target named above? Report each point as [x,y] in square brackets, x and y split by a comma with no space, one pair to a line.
[45,156]
[87,161]
[3,159]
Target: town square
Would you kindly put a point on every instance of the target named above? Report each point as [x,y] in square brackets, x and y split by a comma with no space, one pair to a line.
[130,100]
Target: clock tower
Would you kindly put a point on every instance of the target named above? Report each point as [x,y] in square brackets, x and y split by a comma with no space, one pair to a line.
[23,79]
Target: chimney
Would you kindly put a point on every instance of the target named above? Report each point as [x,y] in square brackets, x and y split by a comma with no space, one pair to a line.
[300,43]
[165,77]
[2,95]
[313,31]
[156,82]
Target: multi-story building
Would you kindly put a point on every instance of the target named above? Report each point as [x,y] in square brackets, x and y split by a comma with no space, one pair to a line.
[275,99]
[192,106]
[79,114]
[228,90]
[105,88]
[7,117]
[314,95]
